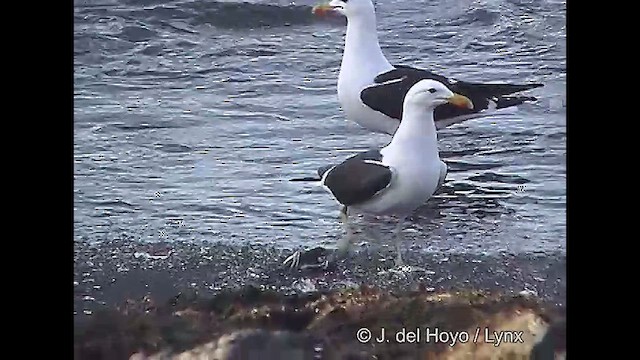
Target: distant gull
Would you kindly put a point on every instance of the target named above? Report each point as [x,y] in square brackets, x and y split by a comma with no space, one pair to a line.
[371,90]
[400,177]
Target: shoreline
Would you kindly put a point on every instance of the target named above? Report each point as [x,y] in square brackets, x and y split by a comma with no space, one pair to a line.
[107,274]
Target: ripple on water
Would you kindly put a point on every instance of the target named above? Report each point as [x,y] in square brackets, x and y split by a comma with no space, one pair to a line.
[214,105]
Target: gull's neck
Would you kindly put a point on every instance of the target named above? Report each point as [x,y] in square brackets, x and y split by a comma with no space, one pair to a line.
[362,49]
[417,127]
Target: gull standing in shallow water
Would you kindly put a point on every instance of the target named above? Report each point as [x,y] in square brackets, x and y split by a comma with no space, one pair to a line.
[400,177]
[371,90]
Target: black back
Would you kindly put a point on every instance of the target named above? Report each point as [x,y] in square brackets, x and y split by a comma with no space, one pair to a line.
[387,96]
[354,181]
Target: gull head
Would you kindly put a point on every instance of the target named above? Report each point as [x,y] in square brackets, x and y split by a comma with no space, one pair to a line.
[430,93]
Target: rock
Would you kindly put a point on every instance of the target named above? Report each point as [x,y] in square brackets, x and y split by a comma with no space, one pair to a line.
[255,324]
[255,344]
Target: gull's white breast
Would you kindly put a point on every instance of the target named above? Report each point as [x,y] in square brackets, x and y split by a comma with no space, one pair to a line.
[350,84]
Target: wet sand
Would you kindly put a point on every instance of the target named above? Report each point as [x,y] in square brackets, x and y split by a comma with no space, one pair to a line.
[107,274]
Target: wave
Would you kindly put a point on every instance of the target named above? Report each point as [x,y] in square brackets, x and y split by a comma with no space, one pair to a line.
[220,14]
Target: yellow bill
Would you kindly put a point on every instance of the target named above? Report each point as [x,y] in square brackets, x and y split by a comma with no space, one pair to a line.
[461,101]
[322,9]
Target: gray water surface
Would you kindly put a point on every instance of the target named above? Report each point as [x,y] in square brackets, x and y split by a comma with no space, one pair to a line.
[191,117]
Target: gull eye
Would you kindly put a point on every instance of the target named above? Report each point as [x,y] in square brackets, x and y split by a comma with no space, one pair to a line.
[432,90]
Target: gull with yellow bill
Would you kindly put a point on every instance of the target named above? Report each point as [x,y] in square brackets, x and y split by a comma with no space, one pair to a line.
[398,178]
[371,89]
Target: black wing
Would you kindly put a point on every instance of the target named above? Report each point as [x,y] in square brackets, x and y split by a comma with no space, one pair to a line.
[390,88]
[358,178]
